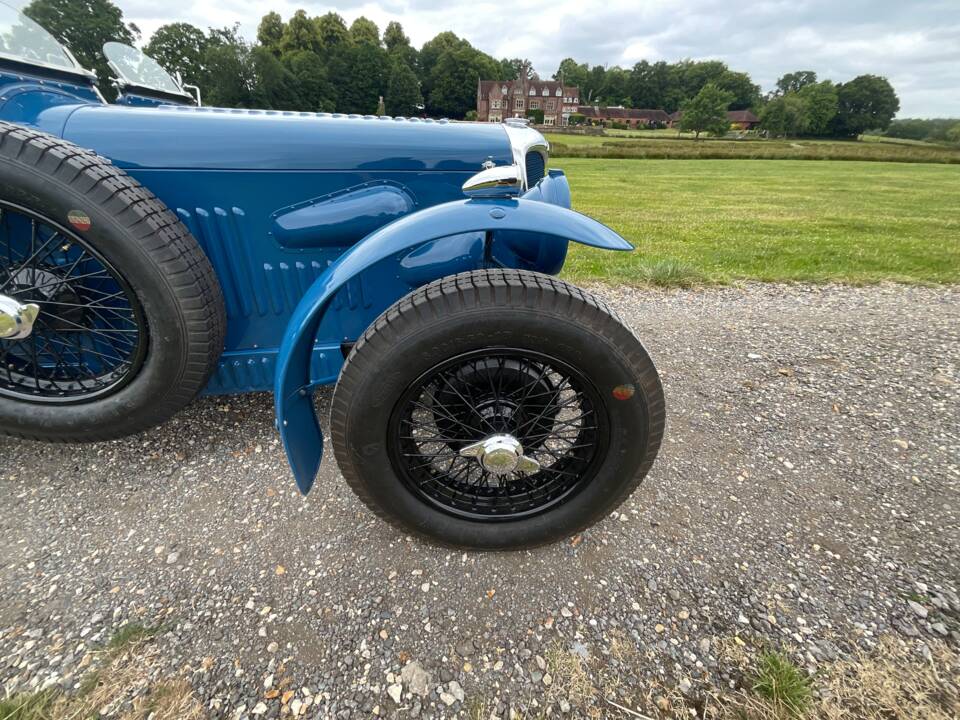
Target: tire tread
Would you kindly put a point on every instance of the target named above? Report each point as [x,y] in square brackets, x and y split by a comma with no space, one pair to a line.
[475,289]
[161,235]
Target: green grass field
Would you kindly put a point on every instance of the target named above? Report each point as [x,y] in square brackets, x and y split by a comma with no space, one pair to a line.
[719,221]
[668,144]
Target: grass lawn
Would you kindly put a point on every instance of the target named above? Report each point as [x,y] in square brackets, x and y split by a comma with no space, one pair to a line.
[717,221]
[668,144]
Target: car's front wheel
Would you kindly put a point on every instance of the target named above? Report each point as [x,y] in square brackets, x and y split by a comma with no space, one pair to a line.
[497,409]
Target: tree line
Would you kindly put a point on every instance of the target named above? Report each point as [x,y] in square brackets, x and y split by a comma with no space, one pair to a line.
[800,105]
[927,130]
[319,63]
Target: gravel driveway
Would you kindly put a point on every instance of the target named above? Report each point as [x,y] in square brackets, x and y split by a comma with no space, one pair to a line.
[806,497]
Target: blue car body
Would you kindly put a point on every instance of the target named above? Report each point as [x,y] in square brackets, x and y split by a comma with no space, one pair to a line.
[314,223]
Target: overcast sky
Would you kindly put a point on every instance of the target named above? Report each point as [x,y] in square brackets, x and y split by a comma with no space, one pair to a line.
[914,43]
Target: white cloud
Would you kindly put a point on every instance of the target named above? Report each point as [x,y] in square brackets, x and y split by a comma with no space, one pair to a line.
[916,44]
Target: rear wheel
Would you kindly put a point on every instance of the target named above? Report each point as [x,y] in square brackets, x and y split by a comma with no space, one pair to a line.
[114,316]
[496,409]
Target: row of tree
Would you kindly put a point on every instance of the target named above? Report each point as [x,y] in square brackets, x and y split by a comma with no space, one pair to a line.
[657,85]
[802,105]
[321,63]
[929,130]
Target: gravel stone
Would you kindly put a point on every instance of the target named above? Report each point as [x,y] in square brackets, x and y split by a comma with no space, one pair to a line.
[807,485]
[416,678]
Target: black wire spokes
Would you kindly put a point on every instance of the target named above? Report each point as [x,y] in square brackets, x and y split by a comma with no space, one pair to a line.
[548,406]
[90,336]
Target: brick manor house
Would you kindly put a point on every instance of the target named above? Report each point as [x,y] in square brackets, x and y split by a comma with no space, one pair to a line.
[500,99]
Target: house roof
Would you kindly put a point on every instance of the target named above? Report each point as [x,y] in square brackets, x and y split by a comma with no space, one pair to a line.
[742,116]
[621,113]
[538,86]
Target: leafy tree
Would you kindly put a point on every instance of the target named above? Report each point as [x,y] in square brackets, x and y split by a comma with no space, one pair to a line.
[230,75]
[332,30]
[690,76]
[365,31]
[361,86]
[505,70]
[276,87]
[953,134]
[934,129]
[707,111]
[519,69]
[820,101]
[399,47]
[84,26]
[454,79]
[864,103]
[180,47]
[795,81]
[615,88]
[784,116]
[745,93]
[594,85]
[394,37]
[300,33]
[536,116]
[461,63]
[649,84]
[572,73]
[430,53]
[403,96]
[312,83]
[270,32]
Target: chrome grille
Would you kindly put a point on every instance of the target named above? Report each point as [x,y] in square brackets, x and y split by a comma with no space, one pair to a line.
[536,166]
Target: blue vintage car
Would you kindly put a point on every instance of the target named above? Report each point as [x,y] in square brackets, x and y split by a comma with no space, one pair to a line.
[153,250]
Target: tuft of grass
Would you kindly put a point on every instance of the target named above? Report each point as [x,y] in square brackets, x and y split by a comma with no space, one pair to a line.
[571,676]
[28,706]
[130,634]
[782,683]
[892,681]
[130,660]
[669,273]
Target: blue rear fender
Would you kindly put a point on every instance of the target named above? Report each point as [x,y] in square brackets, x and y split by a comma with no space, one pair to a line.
[541,221]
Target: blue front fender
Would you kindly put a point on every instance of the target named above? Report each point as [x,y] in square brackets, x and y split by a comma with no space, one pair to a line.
[296,417]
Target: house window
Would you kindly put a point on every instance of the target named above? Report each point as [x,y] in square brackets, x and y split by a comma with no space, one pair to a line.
[559,92]
[518,104]
[518,91]
[495,117]
[549,120]
[532,92]
[534,104]
[550,105]
[545,92]
[503,90]
[496,104]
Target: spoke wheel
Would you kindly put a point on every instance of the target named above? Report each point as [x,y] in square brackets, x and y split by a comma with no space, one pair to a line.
[543,405]
[496,409]
[90,337]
